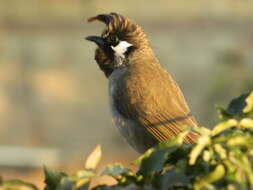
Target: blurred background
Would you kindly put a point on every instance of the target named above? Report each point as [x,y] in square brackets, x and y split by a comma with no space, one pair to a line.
[53,97]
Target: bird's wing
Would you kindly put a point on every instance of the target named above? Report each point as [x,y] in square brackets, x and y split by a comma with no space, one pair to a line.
[150,97]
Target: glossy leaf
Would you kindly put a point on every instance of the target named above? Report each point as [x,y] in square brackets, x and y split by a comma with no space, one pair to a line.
[94,158]
[249,103]
[115,170]
[246,123]
[220,151]
[213,176]
[237,105]
[196,151]
[224,126]
[153,163]
[143,156]
[17,185]
[171,179]
[66,184]
[52,178]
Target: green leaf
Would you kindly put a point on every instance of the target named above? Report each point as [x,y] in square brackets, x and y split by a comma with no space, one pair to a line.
[17,185]
[237,141]
[145,155]
[177,155]
[246,123]
[155,158]
[105,187]
[220,151]
[116,170]
[77,181]
[60,181]
[207,155]
[155,162]
[223,126]
[94,158]
[65,184]
[171,179]
[222,113]
[237,105]
[82,174]
[202,143]
[52,178]
[211,177]
[249,103]
[82,184]
[203,131]
[146,187]
[174,141]
[82,179]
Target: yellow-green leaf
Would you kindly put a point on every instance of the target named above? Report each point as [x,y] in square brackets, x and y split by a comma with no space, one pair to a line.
[223,126]
[246,123]
[249,101]
[215,175]
[221,151]
[207,155]
[18,185]
[202,143]
[143,156]
[94,158]
[81,183]
[238,141]
[180,138]
[116,170]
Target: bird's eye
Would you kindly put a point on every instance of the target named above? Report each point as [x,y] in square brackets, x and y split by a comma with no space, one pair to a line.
[112,40]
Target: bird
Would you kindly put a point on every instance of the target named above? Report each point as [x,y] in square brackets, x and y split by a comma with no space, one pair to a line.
[146,103]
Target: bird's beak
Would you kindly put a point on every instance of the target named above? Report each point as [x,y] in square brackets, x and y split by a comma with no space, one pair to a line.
[98,40]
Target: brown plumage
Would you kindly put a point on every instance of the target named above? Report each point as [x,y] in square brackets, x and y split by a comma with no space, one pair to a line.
[147,104]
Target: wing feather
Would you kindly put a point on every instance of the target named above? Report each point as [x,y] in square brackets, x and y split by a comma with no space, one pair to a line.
[160,108]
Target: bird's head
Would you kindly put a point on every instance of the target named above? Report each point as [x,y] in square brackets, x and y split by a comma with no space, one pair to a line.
[119,40]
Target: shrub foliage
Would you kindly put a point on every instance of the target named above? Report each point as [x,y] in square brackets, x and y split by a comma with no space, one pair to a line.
[222,159]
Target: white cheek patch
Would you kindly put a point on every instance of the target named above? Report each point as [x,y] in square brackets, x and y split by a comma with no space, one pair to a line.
[121,48]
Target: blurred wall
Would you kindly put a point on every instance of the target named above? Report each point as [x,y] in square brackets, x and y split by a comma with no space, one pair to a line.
[52,93]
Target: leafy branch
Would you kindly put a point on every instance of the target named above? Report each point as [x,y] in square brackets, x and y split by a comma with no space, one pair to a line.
[221,159]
